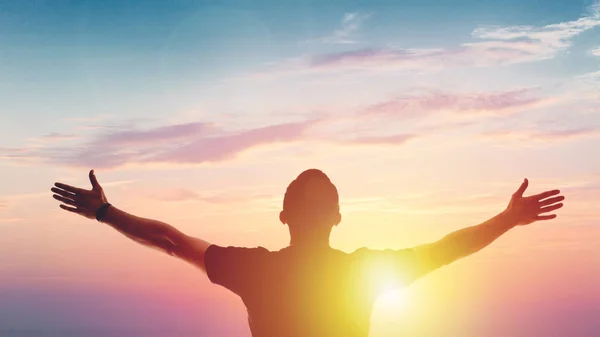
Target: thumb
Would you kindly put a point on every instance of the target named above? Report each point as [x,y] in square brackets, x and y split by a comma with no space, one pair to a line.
[94,181]
[522,188]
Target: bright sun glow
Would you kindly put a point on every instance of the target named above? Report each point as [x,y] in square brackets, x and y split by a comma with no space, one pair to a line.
[387,282]
[393,300]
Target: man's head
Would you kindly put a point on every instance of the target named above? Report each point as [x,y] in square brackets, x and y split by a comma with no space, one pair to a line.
[310,205]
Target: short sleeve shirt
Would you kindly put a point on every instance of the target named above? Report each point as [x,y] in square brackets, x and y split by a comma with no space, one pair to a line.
[296,292]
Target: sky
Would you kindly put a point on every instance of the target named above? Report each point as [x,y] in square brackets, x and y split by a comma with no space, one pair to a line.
[427,115]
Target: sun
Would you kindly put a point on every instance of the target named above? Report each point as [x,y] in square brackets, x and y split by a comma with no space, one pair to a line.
[393,299]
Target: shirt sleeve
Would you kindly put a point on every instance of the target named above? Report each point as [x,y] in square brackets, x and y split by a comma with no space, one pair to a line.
[234,268]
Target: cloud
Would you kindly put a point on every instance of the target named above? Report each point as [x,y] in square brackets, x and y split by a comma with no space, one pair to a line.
[419,104]
[541,42]
[382,140]
[544,136]
[212,149]
[595,51]
[350,24]
[182,194]
[182,143]
[440,202]
[419,113]
[160,134]
[55,136]
[202,142]
[493,46]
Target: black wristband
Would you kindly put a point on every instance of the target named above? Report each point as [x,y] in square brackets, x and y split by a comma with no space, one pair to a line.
[101,212]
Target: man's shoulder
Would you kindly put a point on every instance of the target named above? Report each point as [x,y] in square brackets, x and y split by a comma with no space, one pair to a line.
[235,250]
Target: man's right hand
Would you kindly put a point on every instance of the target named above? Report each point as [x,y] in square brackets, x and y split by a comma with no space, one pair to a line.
[81,201]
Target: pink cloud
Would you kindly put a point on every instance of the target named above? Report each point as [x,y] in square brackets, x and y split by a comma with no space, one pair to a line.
[414,105]
[196,143]
[550,135]
[477,54]
[182,194]
[164,133]
[58,137]
[182,143]
[383,140]
[212,149]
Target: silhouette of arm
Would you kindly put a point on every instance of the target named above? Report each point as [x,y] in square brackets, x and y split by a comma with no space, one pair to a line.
[151,233]
[520,211]
[158,235]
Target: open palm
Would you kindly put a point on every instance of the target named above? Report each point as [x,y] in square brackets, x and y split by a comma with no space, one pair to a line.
[81,201]
[525,210]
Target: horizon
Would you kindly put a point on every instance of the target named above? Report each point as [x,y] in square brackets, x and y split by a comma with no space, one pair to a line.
[425,115]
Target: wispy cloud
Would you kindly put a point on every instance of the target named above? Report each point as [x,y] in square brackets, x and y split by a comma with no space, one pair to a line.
[219,148]
[382,140]
[164,133]
[350,24]
[493,46]
[422,103]
[595,51]
[544,136]
[539,42]
[434,203]
[55,136]
[183,143]
[182,194]
[203,142]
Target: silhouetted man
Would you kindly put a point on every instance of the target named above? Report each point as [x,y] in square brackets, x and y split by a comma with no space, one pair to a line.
[308,288]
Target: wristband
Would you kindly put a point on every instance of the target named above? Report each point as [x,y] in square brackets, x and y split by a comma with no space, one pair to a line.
[101,212]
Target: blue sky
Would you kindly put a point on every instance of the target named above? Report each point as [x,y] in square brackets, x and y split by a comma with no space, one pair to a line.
[202,112]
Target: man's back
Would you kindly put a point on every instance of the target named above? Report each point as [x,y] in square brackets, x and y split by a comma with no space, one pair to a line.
[307,292]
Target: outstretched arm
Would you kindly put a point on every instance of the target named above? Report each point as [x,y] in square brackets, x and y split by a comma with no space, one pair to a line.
[520,211]
[152,233]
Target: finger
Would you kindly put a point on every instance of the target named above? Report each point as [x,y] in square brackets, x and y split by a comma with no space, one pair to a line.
[551,201]
[550,208]
[545,217]
[545,195]
[63,193]
[70,209]
[522,188]
[94,181]
[65,200]
[69,188]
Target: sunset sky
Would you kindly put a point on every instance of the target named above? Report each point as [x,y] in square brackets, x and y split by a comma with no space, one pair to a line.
[427,115]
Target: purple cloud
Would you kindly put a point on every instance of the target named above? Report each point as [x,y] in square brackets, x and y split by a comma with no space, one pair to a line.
[418,104]
[58,137]
[212,149]
[196,143]
[164,133]
[182,143]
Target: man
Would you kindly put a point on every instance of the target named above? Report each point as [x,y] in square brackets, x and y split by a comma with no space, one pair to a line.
[308,288]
